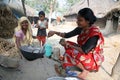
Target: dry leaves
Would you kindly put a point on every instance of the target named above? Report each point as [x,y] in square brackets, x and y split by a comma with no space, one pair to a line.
[8,49]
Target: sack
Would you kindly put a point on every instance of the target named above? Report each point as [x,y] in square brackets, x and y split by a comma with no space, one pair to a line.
[48,48]
[34,31]
[30,53]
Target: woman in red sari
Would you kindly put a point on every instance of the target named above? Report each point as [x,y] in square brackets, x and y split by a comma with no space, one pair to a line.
[86,54]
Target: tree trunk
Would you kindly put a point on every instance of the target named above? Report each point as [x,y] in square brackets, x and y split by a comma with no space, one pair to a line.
[23,4]
[88,2]
[51,10]
[116,69]
[50,14]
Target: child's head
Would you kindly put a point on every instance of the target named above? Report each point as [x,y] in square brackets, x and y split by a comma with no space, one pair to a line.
[85,17]
[41,15]
[62,42]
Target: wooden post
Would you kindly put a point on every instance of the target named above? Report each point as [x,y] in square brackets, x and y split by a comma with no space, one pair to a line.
[118,29]
[23,4]
[109,27]
[116,69]
[51,10]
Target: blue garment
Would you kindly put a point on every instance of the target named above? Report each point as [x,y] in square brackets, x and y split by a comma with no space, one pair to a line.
[70,73]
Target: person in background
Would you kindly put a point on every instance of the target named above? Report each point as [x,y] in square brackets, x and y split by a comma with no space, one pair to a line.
[86,54]
[42,25]
[23,32]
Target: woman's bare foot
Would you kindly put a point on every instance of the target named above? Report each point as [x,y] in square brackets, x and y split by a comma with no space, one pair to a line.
[83,74]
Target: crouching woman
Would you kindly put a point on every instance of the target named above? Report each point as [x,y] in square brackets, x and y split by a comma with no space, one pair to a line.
[23,32]
[86,54]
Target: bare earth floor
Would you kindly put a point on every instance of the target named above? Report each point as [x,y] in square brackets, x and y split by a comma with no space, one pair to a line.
[41,69]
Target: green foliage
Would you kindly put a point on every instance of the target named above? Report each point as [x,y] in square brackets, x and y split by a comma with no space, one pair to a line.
[72,2]
[41,4]
[45,5]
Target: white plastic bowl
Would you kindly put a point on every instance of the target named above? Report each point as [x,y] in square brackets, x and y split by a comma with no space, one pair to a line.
[71,78]
[56,78]
[61,78]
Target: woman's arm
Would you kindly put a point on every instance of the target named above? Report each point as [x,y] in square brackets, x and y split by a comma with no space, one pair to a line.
[51,33]
[17,40]
[88,46]
[75,47]
[72,33]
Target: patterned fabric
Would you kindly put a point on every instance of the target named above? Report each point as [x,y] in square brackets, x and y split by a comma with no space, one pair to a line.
[90,61]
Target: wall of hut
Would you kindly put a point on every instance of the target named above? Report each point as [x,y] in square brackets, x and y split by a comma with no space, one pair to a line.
[71,18]
[112,22]
[33,18]
[101,22]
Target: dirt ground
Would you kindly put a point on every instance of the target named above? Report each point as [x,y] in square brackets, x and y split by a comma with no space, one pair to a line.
[41,69]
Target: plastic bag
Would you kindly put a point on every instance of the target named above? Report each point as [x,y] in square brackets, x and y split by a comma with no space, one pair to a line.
[34,31]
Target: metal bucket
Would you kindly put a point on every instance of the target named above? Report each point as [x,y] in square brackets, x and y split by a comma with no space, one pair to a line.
[31,53]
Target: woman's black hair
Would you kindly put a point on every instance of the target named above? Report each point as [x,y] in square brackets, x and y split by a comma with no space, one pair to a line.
[88,14]
[41,13]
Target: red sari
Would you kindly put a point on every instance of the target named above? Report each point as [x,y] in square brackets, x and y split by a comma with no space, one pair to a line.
[90,61]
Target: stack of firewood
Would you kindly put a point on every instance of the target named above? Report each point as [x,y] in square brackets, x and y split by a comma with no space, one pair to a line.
[8,49]
[7,21]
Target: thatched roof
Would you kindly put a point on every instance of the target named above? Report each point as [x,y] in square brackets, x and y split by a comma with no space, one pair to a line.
[17,8]
[114,8]
[100,7]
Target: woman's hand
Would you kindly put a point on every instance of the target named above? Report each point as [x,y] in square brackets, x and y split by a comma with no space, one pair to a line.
[51,33]
[67,45]
[61,58]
